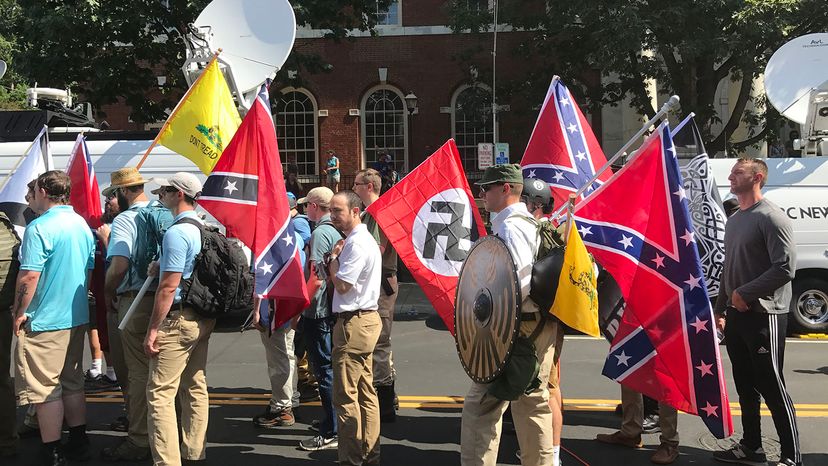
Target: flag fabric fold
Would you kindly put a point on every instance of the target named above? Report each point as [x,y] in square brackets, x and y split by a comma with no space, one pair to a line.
[85,196]
[704,202]
[246,193]
[13,195]
[562,149]
[638,227]
[204,121]
[576,300]
[431,219]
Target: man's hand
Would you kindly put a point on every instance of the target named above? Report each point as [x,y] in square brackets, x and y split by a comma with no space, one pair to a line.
[103,232]
[19,323]
[153,268]
[337,249]
[720,323]
[738,302]
[150,345]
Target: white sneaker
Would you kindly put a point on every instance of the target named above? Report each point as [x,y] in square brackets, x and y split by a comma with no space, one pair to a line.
[319,443]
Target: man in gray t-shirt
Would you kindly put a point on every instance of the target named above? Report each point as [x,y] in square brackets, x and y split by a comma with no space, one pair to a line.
[752,306]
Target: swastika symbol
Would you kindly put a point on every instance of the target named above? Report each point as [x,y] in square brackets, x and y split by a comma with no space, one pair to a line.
[454,231]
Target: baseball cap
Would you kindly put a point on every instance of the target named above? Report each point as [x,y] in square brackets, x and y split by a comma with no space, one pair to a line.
[185,182]
[291,200]
[507,173]
[319,195]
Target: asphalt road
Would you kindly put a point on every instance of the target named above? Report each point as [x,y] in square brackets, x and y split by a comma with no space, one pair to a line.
[431,384]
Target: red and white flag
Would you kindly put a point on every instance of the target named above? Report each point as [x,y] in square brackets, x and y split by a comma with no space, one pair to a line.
[432,220]
[85,196]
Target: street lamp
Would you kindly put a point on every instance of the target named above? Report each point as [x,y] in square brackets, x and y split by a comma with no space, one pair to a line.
[411,103]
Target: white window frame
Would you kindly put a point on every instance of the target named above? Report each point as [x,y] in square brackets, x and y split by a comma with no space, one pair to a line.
[399,15]
[363,118]
[283,152]
[454,97]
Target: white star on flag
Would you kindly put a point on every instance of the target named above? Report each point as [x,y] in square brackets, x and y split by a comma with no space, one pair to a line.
[693,281]
[622,359]
[231,186]
[688,237]
[699,325]
[705,369]
[288,240]
[585,230]
[626,241]
[711,410]
[266,268]
[564,101]
[681,193]
[672,150]
[581,155]
[572,128]
[532,174]
[659,261]
[558,176]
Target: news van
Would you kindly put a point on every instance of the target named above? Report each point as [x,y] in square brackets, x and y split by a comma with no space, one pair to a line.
[799,186]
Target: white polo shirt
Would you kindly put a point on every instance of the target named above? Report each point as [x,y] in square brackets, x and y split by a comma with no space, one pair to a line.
[521,237]
[360,264]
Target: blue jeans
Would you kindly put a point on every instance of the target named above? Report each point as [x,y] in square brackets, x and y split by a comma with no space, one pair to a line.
[318,342]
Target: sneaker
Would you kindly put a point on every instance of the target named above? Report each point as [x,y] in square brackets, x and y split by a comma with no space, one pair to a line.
[741,454]
[126,451]
[120,425]
[787,462]
[314,425]
[270,419]
[665,454]
[618,438]
[651,425]
[99,383]
[308,394]
[319,443]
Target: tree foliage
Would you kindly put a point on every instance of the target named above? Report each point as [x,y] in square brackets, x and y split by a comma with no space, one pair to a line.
[687,46]
[114,50]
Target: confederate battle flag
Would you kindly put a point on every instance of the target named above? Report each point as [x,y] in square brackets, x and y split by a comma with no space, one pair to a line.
[562,149]
[638,228]
[246,193]
[432,220]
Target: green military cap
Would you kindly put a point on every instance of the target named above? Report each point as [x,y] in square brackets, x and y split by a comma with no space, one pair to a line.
[507,173]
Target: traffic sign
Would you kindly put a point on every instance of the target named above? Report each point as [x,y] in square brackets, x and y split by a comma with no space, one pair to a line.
[501,153]
[485,155]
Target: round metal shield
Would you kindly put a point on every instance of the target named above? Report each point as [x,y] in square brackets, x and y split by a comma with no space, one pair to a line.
[487,309]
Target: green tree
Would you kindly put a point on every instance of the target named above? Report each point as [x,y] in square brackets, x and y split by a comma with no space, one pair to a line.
[113,50]
[12,85]
[687,46]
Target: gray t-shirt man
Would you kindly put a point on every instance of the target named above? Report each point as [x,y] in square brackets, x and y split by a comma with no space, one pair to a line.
[322,241]
[760,259]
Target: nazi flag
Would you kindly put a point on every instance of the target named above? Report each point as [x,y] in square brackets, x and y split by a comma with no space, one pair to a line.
[431,219]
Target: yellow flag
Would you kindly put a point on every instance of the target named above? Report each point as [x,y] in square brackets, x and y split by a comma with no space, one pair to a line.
[576,301]
[204,121]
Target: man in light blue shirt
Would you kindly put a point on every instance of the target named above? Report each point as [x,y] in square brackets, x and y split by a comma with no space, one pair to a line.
[51,315]
[177,338]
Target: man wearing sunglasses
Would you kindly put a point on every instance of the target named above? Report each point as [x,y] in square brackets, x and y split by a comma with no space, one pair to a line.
[501,188]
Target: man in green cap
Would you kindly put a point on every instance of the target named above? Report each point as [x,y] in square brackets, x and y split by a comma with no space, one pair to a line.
[500,189]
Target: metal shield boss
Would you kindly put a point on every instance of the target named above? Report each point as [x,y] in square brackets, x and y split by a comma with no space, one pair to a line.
[487,309]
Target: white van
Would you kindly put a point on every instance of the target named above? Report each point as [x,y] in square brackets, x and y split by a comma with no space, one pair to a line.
[800,187]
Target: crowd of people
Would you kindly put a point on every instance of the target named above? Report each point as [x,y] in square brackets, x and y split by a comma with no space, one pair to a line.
[339,348]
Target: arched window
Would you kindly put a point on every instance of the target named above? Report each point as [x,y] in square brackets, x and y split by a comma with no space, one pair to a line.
[385,127]
[295,120]
[471,118]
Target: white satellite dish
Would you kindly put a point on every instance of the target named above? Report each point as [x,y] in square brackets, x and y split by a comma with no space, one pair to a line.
[2,68]
[797,68]
[255,38]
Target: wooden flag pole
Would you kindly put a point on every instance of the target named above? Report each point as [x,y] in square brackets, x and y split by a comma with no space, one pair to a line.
[174,112]
[570,209]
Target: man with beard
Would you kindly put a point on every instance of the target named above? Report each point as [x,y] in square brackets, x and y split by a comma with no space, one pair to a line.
[120,289]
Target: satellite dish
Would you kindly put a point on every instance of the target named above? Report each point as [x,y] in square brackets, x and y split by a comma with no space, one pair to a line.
[2,68]
[256,37]
[793,71]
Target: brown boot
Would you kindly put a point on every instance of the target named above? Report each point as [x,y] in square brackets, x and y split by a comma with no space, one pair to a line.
[619,438]
[666,454]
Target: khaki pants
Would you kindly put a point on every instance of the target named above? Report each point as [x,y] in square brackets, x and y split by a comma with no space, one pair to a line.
[383,366]
[180,368]
[482,414]
[632,419]
[281,367]
[116,347]
[49,363]
[355,399]
[137,363]
[8,428]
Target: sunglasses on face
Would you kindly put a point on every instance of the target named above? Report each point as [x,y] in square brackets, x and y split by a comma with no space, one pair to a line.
[170,189]
[488,187]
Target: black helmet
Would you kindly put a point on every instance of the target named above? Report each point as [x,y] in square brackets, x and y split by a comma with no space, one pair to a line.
[537,192]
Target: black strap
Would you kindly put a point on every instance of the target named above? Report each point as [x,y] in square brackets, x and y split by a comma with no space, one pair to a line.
[539,326]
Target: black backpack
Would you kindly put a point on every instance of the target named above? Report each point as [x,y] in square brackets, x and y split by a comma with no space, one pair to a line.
[222,282]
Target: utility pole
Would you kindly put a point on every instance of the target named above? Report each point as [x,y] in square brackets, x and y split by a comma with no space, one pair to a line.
[494,78]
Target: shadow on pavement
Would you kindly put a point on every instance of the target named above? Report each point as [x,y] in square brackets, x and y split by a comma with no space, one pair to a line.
[822,370]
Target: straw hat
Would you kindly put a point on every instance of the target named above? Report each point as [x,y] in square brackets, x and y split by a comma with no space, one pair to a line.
[123,178]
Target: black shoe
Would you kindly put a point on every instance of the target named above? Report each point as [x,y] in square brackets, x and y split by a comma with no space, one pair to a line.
[651,425]
[120,425]
[99,383]
[126,451]
[77,449]
[385,396]
[52,455]
[741,454]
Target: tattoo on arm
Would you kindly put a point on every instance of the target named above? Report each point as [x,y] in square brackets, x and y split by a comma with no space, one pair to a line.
[21,292]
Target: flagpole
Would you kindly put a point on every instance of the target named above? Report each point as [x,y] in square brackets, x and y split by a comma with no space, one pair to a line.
[20,159]
[669,105]
[175,110]
[683,122]
[570,207]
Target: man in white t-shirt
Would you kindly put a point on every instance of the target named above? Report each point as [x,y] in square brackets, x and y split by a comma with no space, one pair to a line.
[355,269]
